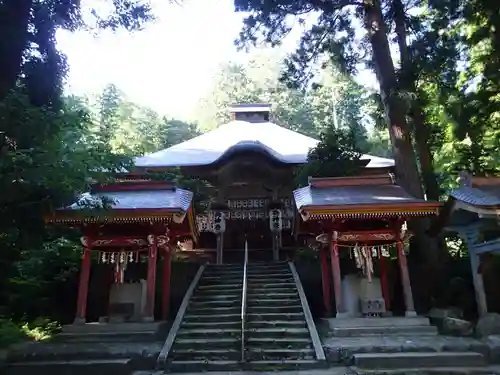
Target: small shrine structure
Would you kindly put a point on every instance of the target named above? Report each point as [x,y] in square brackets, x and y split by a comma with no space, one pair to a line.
[130,221]
[472,211]
[360,218]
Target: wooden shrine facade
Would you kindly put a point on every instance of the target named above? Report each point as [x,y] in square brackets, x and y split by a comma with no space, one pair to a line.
[131,221]
[364,218]
[472,211]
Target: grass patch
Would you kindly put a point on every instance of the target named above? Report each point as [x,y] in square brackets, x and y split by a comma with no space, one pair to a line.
[38,330]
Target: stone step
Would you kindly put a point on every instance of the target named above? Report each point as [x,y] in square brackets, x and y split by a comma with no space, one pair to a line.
[206,354]
[73,367]
[105,328]
[227,266]
[482,370]
[270,365]
[220,282]
[209,287]
[220,286]
[209,342]
[222,276]
[418,360]
[195,310]
[236,323]
[268,265]
[277,332]
[276,323]
[266,275]
[384,330]
[210,332]
[268,316]
[269,290]
[274,302]
[271,286]
[223,296]
[273,295]
[254,354]
[378,322]
[278,272]
[215,292]
[272,281]
[215,303]
[193,317]
[274,309]
[279,342]
[124,337]
[202,365]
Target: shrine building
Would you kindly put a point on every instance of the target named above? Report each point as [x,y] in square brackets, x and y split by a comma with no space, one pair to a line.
[354,223]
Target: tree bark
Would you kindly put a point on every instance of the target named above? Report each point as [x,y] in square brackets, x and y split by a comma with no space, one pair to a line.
[14,20]
[424,249]
[406,165]
[407,83]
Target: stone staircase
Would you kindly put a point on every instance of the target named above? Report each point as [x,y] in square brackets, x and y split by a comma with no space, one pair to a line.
[277,335]
[276,332]
[397,346]
[97,349]
[209,337]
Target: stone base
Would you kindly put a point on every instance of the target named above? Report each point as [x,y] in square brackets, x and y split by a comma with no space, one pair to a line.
[343,315]
[105,328]
[380,326]
[411,314]
[79,321]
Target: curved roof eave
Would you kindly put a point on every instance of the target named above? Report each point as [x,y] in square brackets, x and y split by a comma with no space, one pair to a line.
[282,144]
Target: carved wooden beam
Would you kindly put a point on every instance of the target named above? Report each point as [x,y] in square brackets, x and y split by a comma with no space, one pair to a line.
[118,241]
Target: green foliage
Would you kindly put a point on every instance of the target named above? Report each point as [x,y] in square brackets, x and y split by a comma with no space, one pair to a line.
[38,330]
[130,129]
[50,150]
[334,95]
[335,155]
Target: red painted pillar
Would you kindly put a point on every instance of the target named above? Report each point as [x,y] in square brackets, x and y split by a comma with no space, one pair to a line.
[167,259]
[151,281]
[83,286]
[327,298]
[337,280]
[383,280]
[405,278]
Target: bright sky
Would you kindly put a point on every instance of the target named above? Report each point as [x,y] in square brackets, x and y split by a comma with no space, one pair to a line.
[169,65]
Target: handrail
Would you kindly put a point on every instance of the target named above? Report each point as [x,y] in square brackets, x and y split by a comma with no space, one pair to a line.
[244,303]
[162,357]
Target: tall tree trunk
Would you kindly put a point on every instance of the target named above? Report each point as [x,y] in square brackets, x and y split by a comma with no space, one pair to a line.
[424,249]
[407,82]
[14,19]
[406,165]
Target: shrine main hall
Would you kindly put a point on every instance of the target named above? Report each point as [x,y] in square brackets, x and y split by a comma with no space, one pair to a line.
[255,215]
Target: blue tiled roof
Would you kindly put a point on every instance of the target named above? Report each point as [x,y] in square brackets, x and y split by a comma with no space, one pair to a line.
[488,195]
[143,199]
[352,195]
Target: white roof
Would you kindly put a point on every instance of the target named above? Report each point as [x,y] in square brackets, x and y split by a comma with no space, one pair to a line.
[285,145]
